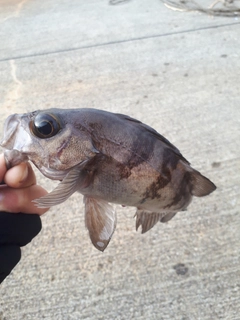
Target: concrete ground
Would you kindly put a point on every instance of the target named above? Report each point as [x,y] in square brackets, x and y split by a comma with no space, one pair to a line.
[178,72]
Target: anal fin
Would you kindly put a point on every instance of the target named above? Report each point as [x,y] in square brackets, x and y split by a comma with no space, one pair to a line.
[168,216]
[147,219]
[100,220]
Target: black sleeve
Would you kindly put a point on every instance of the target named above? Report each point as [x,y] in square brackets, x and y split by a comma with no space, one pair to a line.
[16,230]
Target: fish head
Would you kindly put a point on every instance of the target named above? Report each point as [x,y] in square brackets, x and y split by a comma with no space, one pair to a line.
[53,140]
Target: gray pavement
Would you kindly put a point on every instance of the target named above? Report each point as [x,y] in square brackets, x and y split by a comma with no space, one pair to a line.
[178,72]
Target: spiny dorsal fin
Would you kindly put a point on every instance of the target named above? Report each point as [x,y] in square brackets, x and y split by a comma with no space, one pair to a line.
[154,133]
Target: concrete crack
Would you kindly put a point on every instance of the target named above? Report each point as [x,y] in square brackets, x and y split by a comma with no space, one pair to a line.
[13,95]
[103,44]
[14,76]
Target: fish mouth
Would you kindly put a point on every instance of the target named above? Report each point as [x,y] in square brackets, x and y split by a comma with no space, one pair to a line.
[14,157]
[10,127]
[15,136]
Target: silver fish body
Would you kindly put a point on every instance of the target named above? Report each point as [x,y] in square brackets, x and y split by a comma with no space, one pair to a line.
[109,158]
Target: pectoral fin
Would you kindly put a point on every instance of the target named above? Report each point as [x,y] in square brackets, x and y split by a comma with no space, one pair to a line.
[100,220]
[74,180]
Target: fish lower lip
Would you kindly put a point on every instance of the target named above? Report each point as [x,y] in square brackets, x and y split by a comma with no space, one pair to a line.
[14,157]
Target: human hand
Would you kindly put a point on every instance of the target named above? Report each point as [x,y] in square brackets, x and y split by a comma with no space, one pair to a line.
[16,227]
[20,189]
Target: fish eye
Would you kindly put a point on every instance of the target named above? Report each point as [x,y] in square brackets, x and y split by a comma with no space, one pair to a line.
[45,126]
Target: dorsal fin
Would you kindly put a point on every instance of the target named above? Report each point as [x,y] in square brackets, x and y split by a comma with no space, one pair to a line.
[155,134]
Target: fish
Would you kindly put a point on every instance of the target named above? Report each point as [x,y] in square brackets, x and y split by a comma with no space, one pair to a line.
[110,158]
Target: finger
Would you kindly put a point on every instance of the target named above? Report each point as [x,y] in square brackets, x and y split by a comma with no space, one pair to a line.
[3,168]
[20,200]
[20,176]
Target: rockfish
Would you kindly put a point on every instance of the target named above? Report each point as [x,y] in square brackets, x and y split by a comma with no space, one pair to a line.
[108,158]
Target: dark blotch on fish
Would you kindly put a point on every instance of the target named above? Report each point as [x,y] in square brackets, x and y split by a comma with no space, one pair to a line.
[183,192]
[153,190]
